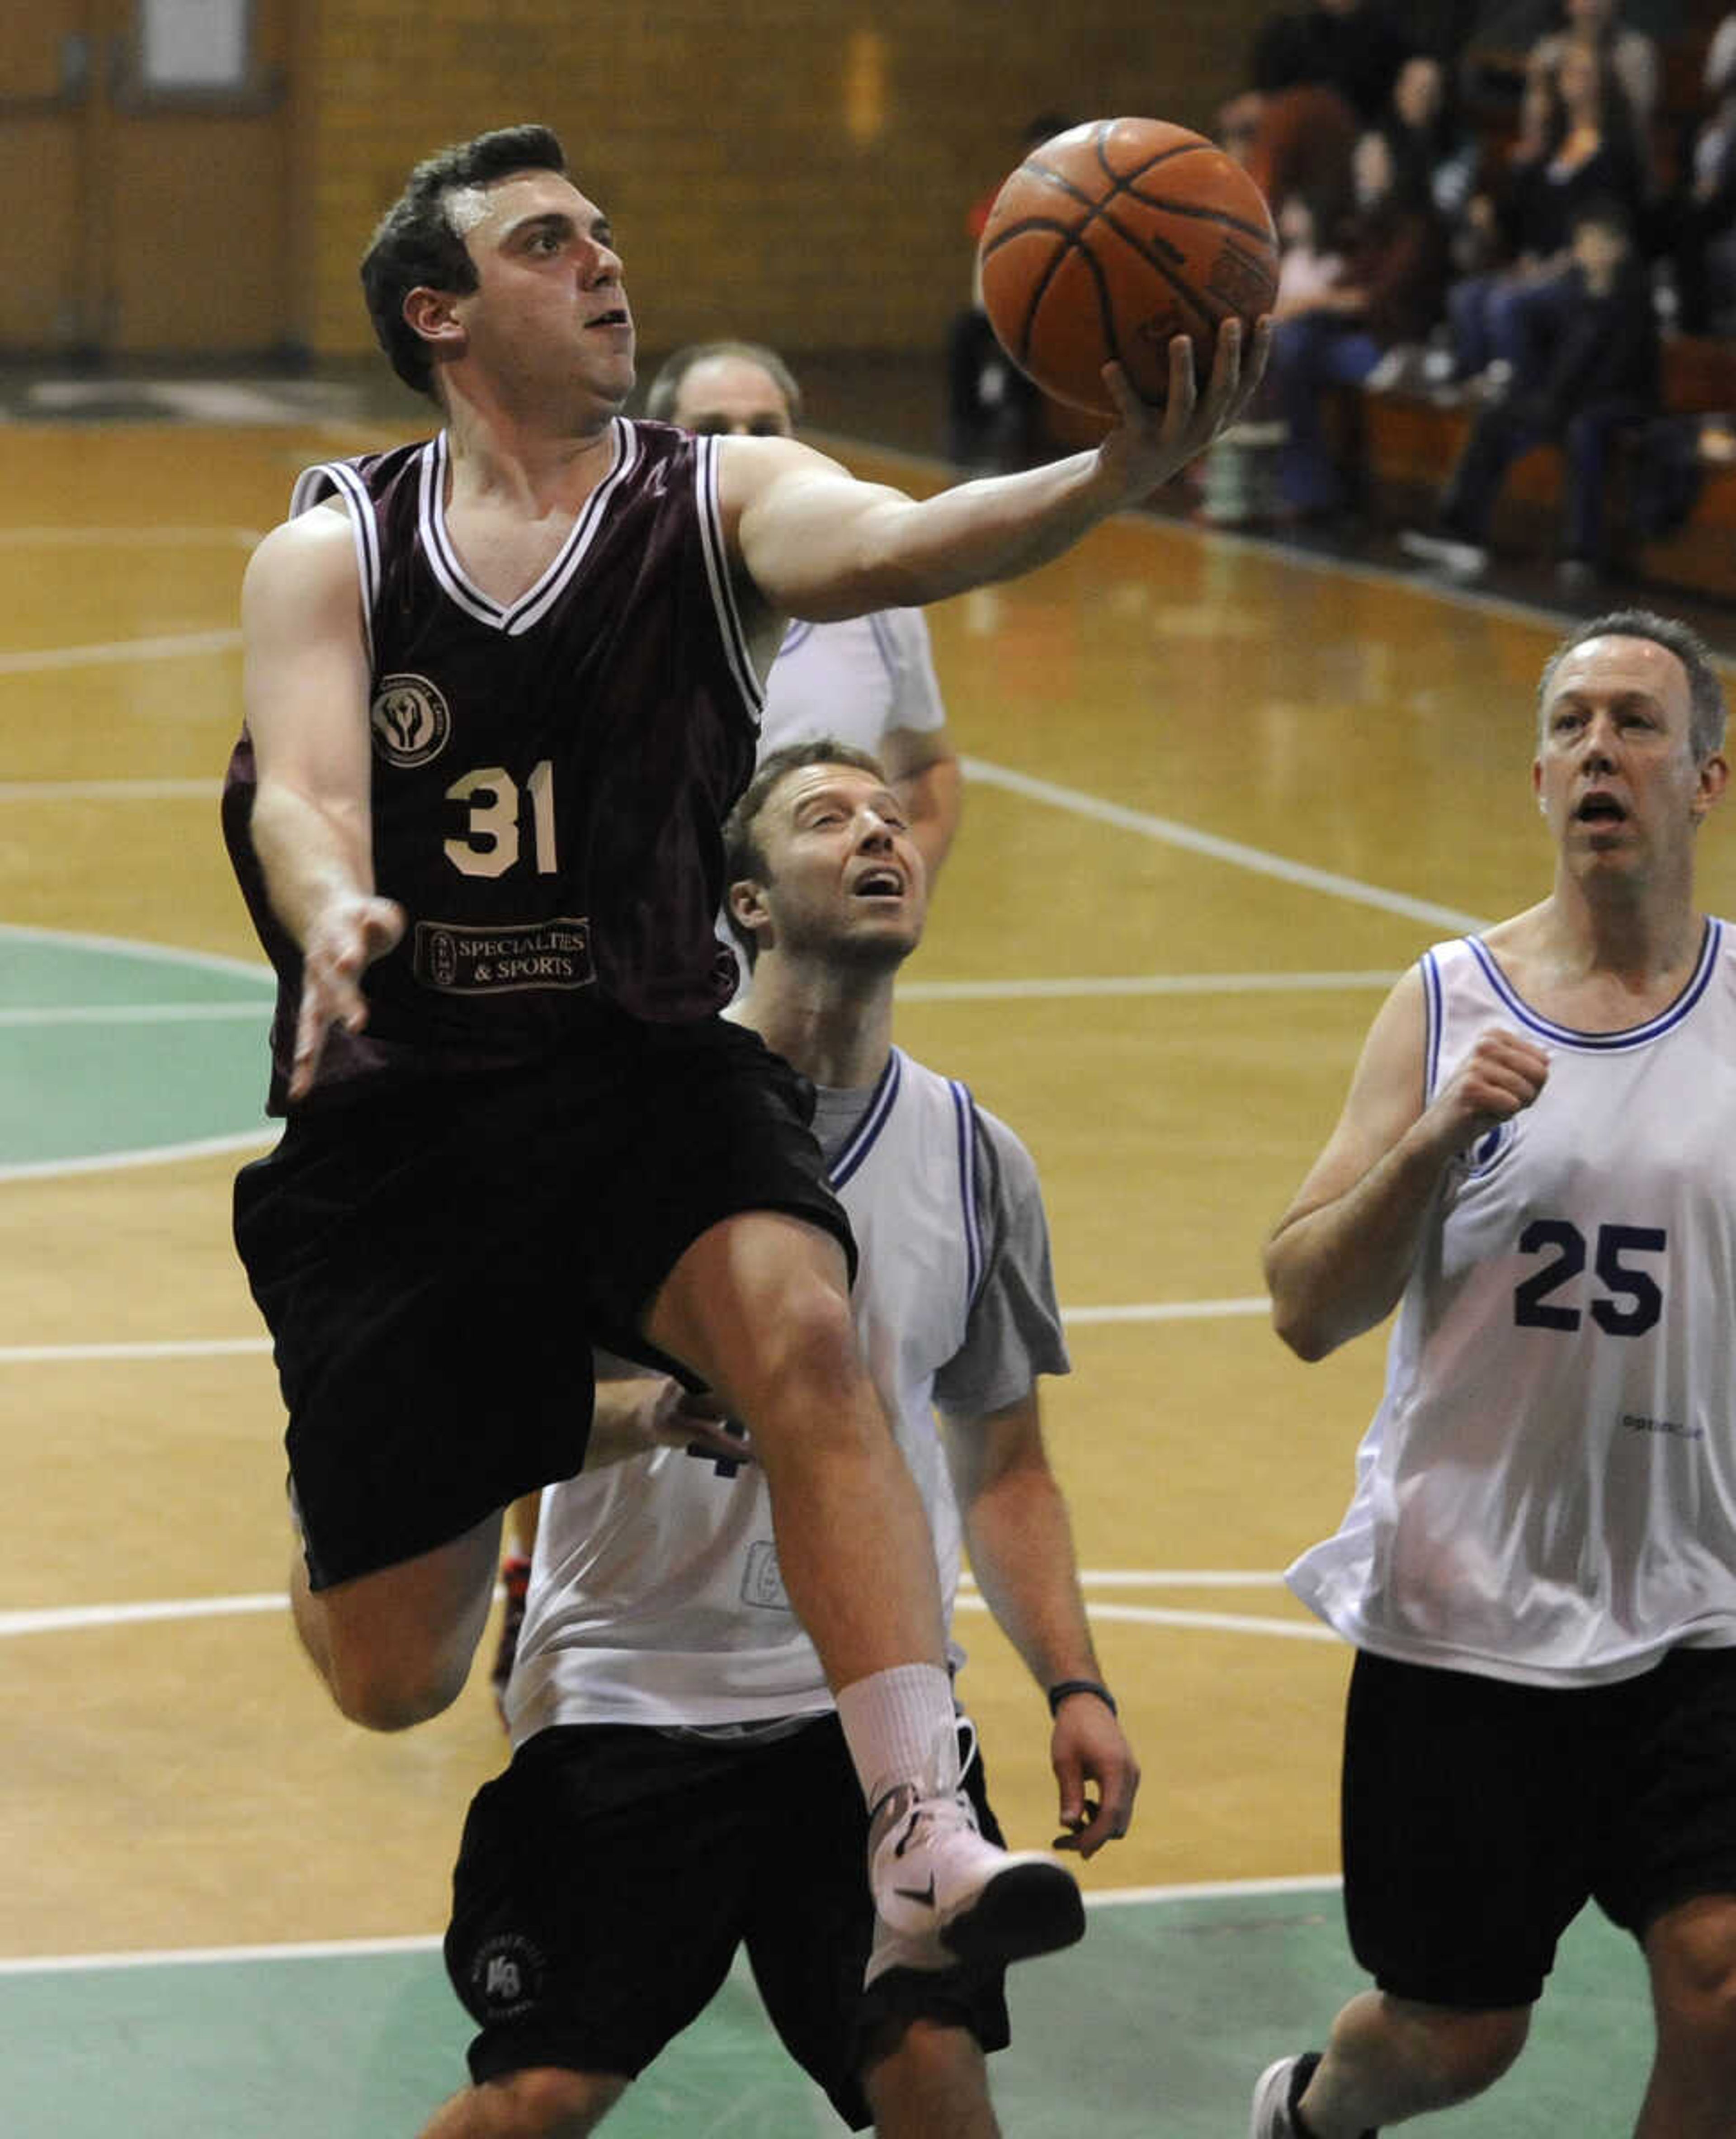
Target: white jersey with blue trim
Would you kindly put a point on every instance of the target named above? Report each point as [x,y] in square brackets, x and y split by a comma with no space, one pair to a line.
[1547,1492]
[858,680]
[655,1596]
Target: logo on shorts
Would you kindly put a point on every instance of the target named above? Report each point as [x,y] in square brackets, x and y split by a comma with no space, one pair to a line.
[411,720]
[761,1583]
[507,1977]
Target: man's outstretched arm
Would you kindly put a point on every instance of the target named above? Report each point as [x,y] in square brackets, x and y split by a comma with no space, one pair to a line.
[814,542]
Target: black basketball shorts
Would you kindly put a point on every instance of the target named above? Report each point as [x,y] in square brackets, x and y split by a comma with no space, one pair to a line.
[1479,1816]
[436,1264]
[606,1880]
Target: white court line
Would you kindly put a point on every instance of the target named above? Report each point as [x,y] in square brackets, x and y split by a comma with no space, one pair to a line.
[1167,1310]
[1134,983]
[134,946]
[168,646]
[110,790]
[1155,1615]
[203,1348]
[71,1619]
[184,1347]
[76,1618]
[1171,832]
[193,1013]
[103,1162]
[125,538]
[363,1948]
[1171,1577]
[203,1956]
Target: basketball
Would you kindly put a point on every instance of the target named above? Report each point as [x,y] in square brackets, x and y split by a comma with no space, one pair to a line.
[1112,239]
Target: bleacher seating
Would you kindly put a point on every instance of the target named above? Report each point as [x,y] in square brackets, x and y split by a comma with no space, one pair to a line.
[1409,444]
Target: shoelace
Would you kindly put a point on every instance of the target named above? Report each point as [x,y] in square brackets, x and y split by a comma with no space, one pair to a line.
[967,1733]
[968,1755]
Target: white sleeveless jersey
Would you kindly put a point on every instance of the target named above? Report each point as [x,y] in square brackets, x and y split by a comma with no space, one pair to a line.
[655,1597]
[857,680]
[1547,1493]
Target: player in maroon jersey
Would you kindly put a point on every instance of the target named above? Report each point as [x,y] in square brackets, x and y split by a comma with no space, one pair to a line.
[502,691]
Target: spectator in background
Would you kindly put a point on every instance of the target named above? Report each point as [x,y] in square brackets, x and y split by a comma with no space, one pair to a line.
[1516,41]
[992,408]
[1575,146]
[1597,377]
[1380,287]
[1320,74]
[1631,55]
[1353,47]
[1700,221]
[1432,153]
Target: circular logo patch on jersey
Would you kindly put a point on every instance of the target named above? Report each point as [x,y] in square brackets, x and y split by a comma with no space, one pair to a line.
[411,722]
[506,1976]
[1489,1149]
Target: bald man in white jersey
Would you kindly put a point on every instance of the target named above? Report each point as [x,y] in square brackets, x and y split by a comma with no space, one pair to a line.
[680,1788]
[865,680]
[1537,1165]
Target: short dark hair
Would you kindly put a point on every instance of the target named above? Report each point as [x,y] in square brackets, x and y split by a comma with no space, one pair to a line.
[1601,211]
[743,856]
[416,243]
[1706,712]
[664,390]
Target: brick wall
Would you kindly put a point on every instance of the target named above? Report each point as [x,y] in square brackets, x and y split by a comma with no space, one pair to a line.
[795,169]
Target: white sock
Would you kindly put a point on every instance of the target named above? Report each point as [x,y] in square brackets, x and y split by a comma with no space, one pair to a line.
[900,1727]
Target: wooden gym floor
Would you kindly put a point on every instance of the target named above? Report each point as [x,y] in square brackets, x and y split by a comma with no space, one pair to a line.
[1217,796]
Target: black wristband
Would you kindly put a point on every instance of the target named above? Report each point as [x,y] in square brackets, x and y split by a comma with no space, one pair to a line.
[1059,1692]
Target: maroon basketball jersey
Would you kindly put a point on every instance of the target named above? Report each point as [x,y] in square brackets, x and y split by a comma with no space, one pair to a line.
[549,776]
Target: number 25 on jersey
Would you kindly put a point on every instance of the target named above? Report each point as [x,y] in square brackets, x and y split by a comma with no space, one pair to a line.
[1630,1301]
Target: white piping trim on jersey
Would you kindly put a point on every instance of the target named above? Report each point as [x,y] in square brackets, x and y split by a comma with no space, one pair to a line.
[535,606]
[882,634]
[1607,1043]
[736,647]
[881,1103]
[1435,1012]
[964,1107]
[515,617]
[312,486]
[800,631]
[442,563]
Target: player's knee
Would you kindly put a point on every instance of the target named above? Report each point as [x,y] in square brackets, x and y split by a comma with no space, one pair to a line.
[394,1693]
[811,1351]
[1693,1952]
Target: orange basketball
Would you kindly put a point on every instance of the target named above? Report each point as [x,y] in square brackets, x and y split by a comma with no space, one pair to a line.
[1112,239]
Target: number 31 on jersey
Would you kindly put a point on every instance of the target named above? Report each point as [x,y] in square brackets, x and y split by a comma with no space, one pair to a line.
[497,823]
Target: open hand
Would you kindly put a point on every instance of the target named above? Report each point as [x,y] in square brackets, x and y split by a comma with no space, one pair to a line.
[350,934]
[1154,441]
